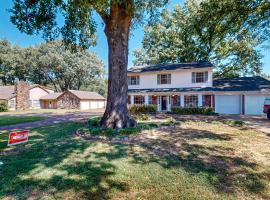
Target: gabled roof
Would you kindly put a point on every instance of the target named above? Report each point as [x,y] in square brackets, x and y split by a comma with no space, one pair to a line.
[7,92]
[165,67]
[51,96]
[240,84]
[85,95]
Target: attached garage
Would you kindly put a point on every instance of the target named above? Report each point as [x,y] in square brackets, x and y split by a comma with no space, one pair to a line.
[228,104]
[254,104]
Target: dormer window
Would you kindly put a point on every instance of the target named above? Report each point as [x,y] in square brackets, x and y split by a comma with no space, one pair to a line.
[163,79]
[199,77]
[133,80]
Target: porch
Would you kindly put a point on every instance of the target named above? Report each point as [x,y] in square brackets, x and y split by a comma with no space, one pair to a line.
[165,102]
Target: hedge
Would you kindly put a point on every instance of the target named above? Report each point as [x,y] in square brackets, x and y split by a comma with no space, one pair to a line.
[190,111]
[135,109]
[3,107]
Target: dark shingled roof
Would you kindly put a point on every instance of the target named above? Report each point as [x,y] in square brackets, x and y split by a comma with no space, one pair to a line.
[164,67]
[256,83]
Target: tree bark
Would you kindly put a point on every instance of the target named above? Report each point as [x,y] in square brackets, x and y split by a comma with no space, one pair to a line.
[117,29]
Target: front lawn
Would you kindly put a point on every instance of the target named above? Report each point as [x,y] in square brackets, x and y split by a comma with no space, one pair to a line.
[193,160]
[10,120]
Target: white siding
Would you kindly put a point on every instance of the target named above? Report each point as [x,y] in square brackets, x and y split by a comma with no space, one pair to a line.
[179,79]
[254,104]
[228,104]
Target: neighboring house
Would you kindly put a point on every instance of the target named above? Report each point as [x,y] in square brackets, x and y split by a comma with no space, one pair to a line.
[192,85]
[23,96]
[73,99]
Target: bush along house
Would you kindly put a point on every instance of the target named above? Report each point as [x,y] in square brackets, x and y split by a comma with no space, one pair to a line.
[190,85]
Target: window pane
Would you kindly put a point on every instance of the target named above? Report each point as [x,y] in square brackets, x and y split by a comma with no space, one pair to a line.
[133,80]
[138,99]
[164,78]
[191,101]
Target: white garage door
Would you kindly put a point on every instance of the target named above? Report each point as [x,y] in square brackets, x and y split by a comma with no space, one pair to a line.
[254,104]
[93,104]
[228,104]
[85,105]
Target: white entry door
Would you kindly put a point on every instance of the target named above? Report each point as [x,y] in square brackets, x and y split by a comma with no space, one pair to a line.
[228,104]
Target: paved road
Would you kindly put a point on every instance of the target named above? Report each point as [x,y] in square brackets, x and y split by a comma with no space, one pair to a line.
[260,123]
[53,119]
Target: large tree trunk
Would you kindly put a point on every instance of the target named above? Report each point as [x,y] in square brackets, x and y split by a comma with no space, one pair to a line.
[117,28]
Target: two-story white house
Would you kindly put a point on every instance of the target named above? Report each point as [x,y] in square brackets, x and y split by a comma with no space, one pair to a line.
[192,85]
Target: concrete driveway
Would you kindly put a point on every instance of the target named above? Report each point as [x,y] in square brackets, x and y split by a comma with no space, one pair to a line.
[260,123]
[53,118]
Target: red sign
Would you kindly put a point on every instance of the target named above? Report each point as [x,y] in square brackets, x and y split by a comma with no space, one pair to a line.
[18,137]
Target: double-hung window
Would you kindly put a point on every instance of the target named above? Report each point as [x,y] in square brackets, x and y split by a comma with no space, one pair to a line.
[138,99]
[199,77]
[163,79]
[133,80]
[191,101]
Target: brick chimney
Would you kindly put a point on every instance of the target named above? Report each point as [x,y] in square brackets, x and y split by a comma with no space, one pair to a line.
[22,95]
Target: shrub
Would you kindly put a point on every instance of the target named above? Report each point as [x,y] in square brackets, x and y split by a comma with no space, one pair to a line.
[190,111]
[3,107]
[94,122]
[142,117]
[135,109]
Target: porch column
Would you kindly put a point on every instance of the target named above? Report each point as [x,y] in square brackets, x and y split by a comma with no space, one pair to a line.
[169,103]
[182,100]
[146,100]
[159,103]
[131,99]
[200,100]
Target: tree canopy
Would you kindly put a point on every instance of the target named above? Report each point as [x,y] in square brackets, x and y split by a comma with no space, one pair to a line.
[51,64]
[79,27]
[227,33]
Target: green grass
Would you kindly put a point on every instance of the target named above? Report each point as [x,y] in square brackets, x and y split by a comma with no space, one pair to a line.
[55,164]
[10,120]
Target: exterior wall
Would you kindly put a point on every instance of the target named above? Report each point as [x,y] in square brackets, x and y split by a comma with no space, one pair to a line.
[179,79]
[34,97]
[68,101]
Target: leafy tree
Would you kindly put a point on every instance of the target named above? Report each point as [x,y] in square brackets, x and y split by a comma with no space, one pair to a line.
[52,63]
[12,63]
[227,33]
[34,16]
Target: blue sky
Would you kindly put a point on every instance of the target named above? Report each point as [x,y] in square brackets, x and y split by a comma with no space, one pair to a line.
[10,32]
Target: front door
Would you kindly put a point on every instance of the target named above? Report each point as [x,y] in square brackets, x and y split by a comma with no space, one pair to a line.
[163,103]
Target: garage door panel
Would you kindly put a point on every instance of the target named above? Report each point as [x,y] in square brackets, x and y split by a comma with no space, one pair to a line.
[228,104]
[254,104]
[85,105]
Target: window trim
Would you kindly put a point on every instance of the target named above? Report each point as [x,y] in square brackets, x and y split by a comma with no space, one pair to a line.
[196,103]
[133,82]
[141,100]
[204,74]
[160,79]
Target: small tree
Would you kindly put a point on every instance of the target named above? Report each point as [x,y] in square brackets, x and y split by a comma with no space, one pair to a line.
[32,16]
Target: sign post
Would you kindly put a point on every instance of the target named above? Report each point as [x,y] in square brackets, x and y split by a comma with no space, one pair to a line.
[18,137]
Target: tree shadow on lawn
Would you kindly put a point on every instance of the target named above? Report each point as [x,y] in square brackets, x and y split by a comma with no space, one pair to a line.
[176,148]
[51,163]
[43,167]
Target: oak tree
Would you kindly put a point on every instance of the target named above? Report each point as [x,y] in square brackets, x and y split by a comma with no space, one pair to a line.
[35,16]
